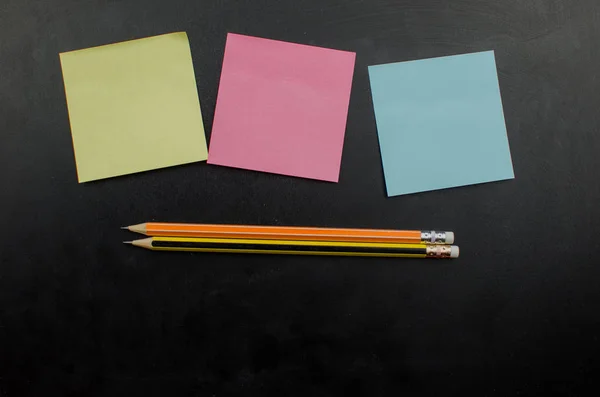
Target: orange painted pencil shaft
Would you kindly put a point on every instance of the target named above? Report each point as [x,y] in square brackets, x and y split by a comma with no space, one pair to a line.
[283,232]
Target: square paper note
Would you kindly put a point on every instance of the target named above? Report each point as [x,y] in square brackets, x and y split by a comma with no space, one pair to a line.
[282,108]
[440,123]
[133,106]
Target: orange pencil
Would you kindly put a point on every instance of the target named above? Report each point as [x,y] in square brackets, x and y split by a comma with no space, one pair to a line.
[292,233]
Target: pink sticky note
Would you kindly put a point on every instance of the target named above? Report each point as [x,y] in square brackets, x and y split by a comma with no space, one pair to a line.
[282,108]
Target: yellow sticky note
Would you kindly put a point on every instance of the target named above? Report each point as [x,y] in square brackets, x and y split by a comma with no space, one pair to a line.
[133,106]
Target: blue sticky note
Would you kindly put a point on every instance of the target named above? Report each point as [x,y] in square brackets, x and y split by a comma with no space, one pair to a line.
[440,123]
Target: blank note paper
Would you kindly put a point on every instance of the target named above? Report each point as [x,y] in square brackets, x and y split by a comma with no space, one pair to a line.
[282,108]
[440,123]
[133,106]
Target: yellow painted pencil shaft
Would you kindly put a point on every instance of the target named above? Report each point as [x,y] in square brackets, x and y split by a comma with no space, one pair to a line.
[292,247]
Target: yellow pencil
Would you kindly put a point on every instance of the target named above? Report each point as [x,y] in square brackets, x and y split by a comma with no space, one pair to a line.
[292,247]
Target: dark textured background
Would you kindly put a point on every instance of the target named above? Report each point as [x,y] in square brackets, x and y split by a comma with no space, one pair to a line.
[83,315]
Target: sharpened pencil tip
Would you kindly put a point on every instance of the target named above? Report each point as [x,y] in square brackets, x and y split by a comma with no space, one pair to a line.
[127,242]
[125,227]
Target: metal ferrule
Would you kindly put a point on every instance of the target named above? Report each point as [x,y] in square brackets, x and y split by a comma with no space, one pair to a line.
[433,237]
[438,251]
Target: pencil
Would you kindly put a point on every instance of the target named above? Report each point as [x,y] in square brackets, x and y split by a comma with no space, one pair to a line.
[292,233]
[293,247]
